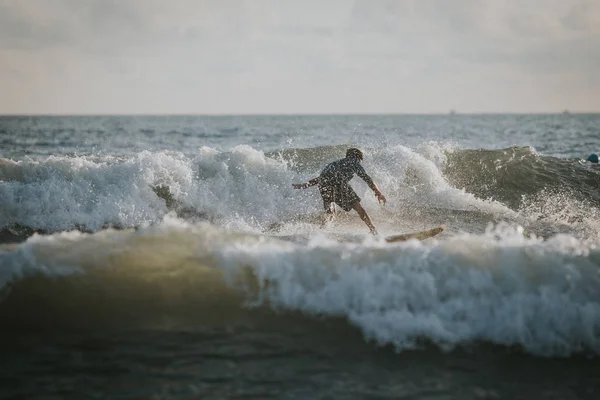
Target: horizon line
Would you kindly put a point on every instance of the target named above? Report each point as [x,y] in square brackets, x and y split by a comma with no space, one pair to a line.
[335,114]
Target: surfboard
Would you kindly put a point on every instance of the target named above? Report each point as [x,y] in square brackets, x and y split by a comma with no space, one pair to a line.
[415,235]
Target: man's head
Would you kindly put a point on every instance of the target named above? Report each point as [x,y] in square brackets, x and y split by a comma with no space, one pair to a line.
[354,153]
[593,158]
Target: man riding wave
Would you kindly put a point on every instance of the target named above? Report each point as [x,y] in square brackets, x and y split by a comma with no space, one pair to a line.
[334,185]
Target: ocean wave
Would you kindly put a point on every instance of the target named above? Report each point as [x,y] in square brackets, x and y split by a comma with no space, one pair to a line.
[247,189]
[500,287]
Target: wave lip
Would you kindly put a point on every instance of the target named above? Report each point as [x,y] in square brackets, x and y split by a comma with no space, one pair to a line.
[508,175]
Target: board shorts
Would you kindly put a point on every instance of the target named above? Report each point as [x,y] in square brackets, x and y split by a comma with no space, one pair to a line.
[340,193]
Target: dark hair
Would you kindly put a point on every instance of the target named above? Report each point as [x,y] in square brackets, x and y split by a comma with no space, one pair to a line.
[354,153]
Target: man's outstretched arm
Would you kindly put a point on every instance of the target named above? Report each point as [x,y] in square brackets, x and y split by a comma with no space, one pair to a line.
[308,184]
[365,177]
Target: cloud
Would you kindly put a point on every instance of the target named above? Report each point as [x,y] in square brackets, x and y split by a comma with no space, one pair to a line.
[20,30]
[232,56]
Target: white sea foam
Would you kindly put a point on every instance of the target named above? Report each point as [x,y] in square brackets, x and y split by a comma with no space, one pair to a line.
[499,287]
[62,193]
[241,187]
[414,179]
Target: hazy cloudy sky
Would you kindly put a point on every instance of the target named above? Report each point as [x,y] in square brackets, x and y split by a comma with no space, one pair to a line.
[299,56]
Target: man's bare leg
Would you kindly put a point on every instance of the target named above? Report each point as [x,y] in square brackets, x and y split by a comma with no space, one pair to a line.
[329,216]
[363,215]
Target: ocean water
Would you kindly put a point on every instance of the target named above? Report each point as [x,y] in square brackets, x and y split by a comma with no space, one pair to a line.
[169,257]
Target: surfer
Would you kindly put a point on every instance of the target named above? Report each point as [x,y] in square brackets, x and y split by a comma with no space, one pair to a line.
[334,185]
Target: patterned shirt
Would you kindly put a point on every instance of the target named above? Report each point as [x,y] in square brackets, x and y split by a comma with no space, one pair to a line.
[341,171]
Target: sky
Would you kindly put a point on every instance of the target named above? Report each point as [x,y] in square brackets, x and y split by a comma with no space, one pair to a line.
[299,56]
